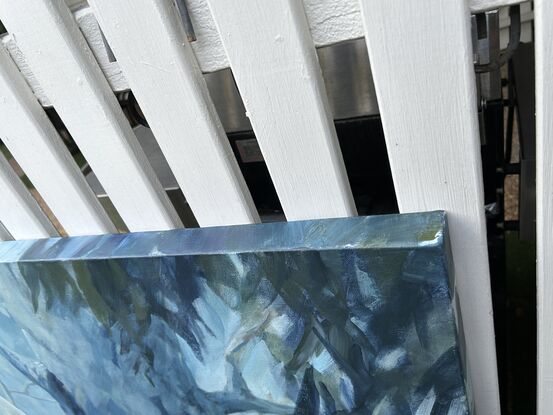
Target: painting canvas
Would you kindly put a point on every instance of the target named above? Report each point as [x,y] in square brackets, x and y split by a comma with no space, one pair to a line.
[333,316]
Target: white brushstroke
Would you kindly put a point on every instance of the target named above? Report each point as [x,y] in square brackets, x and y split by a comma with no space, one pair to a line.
[425,408]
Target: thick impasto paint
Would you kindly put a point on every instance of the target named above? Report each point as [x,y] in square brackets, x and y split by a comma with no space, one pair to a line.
[318,317]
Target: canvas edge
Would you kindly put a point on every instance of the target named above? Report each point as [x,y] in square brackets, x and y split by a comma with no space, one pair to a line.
[457,316]
[406,231]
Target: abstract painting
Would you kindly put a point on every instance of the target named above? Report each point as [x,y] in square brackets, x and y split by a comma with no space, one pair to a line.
[337,316]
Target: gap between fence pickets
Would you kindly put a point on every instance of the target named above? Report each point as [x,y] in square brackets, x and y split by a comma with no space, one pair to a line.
[4,234]
[21,215]
[330,21]
[543,11]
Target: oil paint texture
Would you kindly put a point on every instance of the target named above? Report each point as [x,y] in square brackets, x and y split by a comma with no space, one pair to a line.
[334,316]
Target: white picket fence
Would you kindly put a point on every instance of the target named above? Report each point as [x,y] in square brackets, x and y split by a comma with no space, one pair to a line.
[418,50]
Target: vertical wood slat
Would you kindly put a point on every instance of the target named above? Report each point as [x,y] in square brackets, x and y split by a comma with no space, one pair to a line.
[421,59]
[35,144]
[543,15]
[275,65]
[169,86]
[20,214]
[59,57]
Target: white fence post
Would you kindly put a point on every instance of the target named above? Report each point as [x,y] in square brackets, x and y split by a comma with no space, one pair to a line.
[421,59]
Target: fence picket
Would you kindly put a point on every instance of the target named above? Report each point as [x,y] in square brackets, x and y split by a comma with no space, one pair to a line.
[168,84]
[421,59]
[34,142]
[275,65]
[47,34]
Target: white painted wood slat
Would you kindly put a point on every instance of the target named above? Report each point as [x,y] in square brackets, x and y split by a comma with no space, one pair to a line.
[421,58]
[277,73]
[34,142]
[20,214]
[170,88]
[55,49]
[543,12]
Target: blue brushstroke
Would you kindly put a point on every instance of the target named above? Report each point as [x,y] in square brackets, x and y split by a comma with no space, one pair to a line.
[319,317]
